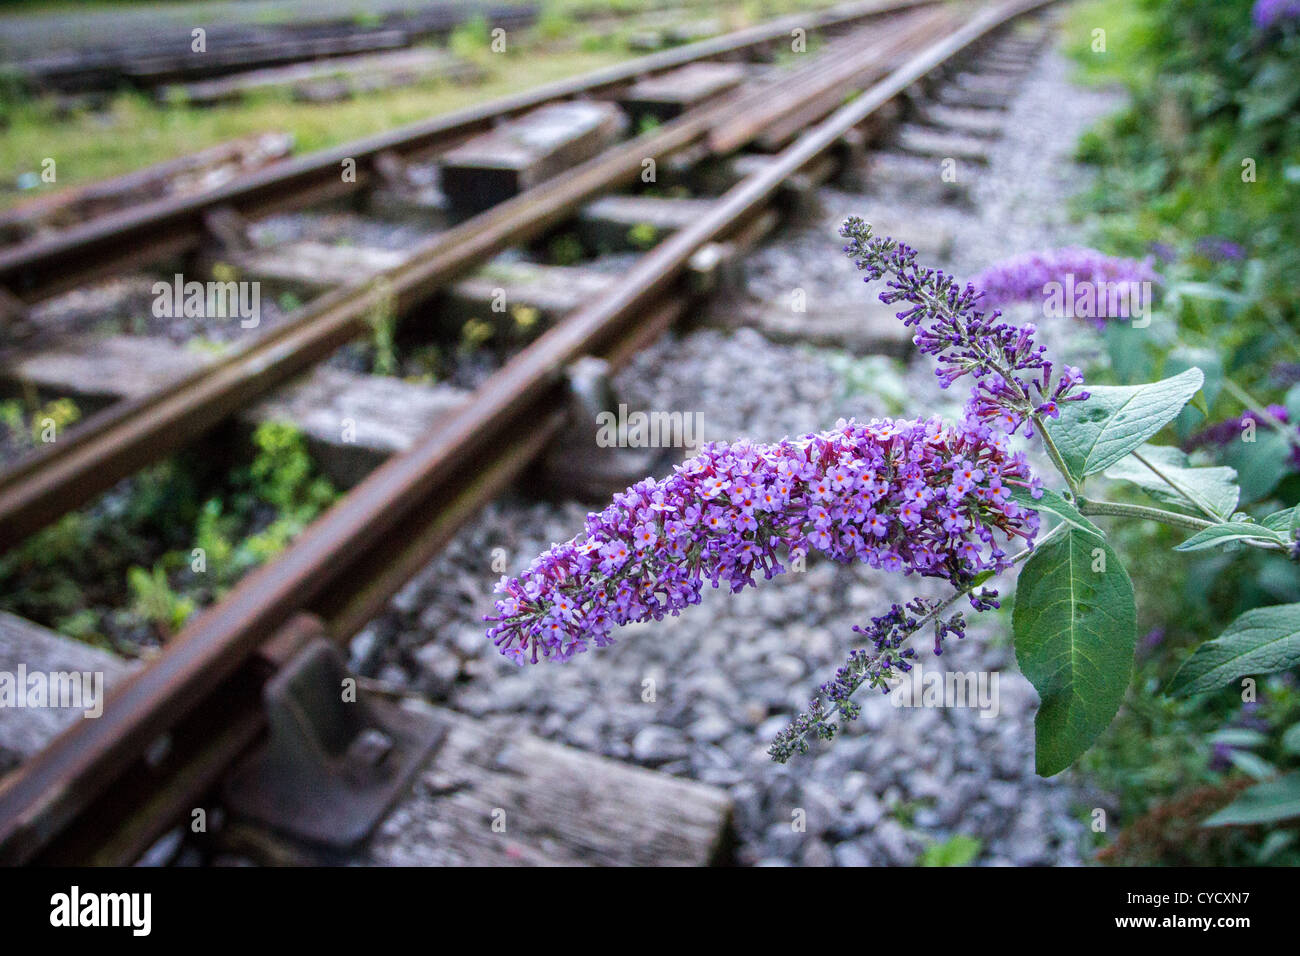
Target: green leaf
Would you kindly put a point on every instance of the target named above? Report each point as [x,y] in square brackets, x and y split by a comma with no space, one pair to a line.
[1274,843]
[1265,802]
[1291,739]
[1116,419]
[1272,93]
[1052,503]
[1075,631]
[1261,641]
[1239,737]
[1207,290]
[1252,765]
[958,850]
[1260,464]
[1228,531]
[1292,403]
[1131,354]
[1213,488]
[1211,366]
[1285,522]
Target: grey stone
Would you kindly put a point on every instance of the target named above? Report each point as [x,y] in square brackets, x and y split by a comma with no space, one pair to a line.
[656,745]
[900,847]
[439,668]
[822,808]
[851,854]
[710,728]
[817,853]
[781,840]
[867,811]
[165,850]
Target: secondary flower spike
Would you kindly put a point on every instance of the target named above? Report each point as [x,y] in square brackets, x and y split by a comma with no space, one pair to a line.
[1269,13]
[871,667]
[1014,380]
[926,497]
[1084,283]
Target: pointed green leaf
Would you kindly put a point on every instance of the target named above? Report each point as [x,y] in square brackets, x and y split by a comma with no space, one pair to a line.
[1291,739]
[1239,737]
[1266,802]
[1212,487]
[1261,463]
[1052,503]
[1292,403]
[1116,419]
[1252,765]
[1285,522]
[1262,641]
[1228,531]
[1075,628]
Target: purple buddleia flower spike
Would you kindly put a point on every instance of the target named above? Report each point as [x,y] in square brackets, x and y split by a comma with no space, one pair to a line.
[924,497]
[1072,282]
[1014,380]
[875,666]
[1270,13]
[1218,249]
[1231,429]
[1162,252]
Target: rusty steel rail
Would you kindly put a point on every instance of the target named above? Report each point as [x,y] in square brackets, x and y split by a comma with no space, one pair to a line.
[48,265]
[130,434]
[352,558]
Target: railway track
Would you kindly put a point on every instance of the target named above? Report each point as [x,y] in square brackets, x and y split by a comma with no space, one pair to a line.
[126,437]
[158,53]
[34,271]
[163,53]
[100,792]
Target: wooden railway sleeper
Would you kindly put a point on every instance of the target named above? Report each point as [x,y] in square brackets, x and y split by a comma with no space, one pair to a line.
[15,323]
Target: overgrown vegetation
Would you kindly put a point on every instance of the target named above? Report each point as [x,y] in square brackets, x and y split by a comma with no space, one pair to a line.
[129,571]
[1202,173]
[23,427]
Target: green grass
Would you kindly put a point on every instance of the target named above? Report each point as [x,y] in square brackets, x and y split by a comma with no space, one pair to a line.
[1126,33]
[957,850]
[135,131]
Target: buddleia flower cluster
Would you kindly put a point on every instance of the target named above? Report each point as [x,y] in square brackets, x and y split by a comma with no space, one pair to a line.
[923,497]
[1014,381]
[1230,430]
[1217,248]
[913,497]
[874,667]
[1267,14]
[1112,282]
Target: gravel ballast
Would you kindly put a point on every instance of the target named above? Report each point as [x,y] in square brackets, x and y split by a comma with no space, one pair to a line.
[702,695]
